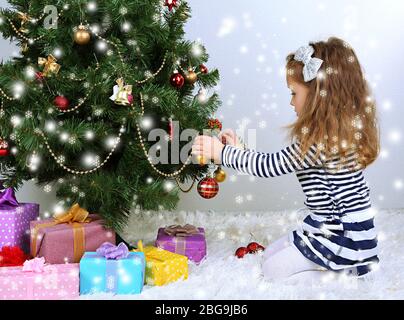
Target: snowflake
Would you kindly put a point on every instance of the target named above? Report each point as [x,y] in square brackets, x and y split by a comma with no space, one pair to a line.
[305,130]
[61,159]
[321,146]
[72,140]
[329,70]
[155,100]
[239,199]
[75,189]
[351,59]
[369,109]
[262,124]
[290,72]
[221,235]
[82,194]
[358,136]
[334,150]
[323,93]
[47,188]
[123,11]
[28,114]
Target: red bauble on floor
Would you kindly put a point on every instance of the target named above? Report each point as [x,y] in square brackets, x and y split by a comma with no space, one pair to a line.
[241,252]
[255,247]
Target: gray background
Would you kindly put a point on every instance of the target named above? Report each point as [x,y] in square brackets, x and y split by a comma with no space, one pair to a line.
[248,41]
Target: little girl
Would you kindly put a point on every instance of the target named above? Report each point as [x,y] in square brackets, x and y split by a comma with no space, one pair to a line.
[334,139]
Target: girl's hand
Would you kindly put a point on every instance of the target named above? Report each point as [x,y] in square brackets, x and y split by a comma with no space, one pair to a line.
[229,137]
[208,147]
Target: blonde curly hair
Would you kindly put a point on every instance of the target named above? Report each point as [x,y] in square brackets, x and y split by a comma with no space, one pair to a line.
[339,115]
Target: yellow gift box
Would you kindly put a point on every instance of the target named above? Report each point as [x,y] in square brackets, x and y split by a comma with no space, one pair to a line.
[162,266]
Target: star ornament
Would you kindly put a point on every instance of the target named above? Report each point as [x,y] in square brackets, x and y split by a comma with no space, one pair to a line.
[170,4]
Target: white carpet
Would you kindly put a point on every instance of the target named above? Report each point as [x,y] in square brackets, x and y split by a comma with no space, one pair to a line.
[223,276]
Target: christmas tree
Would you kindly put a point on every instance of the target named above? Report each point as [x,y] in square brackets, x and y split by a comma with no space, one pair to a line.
[92,80]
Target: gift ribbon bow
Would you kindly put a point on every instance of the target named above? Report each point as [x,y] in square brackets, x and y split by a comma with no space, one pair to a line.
[36,265]
[181,231]
[74,214]
[8,199]
[311,65]
[112,252]
[75,217]
[49,64]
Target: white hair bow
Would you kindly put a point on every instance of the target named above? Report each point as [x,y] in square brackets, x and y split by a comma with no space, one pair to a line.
[311,65]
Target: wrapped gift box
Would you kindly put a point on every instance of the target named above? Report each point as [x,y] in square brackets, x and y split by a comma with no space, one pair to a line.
[54,283]
[193,245]
[67,242]
[123,276]
[15,220]
[163,267]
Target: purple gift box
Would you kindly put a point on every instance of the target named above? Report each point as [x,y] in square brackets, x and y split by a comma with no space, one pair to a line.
[15,220]
[193,245]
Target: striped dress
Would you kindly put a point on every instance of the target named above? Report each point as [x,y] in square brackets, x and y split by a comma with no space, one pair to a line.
[339,232]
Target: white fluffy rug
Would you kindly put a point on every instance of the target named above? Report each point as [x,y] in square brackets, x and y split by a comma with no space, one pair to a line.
[223,276]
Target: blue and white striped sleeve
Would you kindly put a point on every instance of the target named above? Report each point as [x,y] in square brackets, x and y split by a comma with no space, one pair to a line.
[266,165]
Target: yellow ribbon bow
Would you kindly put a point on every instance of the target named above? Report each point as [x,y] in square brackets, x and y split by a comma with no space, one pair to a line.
[49,65]
[74,214]
[24,17]
[75,217]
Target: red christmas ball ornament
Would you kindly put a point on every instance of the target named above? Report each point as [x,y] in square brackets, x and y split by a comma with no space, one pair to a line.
[61,102]
[241,252]
[170,4]
[203,69]
[208,188]
[4,152]
[254,247]
[177,80]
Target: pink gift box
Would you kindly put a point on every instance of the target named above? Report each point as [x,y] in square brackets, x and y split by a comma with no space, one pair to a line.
[14,224]
[57,242]
[56,282]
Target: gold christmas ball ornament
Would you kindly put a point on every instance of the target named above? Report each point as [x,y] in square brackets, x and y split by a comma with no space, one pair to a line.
[220,175]
[191,77]
[82,35]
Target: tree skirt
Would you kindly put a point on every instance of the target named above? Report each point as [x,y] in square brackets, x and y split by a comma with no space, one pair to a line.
[223,276]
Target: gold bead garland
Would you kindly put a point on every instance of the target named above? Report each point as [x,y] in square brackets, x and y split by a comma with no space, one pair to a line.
[167,175]
[187,190]
[6,96]
[111,43]
[81,102]
[84,78]
[156,73]
[77,172]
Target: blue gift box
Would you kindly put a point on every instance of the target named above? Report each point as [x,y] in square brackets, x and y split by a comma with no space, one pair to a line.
[122,276]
